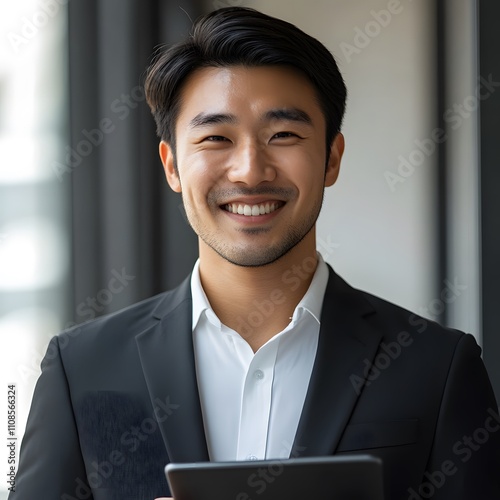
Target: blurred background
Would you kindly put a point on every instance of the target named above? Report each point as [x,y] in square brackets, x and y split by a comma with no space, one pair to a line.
[88,224]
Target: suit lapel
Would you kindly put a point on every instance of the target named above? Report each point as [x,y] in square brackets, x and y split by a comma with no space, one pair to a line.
[346,342]
[167,358]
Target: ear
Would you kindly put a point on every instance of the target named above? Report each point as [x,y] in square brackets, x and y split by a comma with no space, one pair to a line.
[167,158]
[333,166]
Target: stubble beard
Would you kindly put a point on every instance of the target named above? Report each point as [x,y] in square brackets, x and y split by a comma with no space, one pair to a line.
[252,257]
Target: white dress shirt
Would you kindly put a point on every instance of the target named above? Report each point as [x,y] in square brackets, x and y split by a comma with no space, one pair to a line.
[252,402]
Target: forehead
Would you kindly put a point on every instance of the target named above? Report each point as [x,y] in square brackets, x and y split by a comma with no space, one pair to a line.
[247,92]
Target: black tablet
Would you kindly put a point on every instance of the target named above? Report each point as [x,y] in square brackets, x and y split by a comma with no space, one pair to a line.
[344,477]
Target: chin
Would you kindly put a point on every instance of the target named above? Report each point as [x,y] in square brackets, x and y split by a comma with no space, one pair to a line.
[254,257]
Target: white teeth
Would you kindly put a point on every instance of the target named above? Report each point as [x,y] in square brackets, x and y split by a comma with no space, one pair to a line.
[252,210]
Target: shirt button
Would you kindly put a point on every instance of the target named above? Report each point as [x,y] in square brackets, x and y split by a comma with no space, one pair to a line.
[252,457]
[258,374]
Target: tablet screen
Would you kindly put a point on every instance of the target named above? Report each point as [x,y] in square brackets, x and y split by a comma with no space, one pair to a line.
[344,477]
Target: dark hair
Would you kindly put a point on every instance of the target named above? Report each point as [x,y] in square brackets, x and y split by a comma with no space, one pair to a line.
[243,36]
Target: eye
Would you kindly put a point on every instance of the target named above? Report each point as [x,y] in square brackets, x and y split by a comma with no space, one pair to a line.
[284,135]
[215,138]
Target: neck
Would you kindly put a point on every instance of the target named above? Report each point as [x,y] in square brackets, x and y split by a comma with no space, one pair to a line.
[258,302]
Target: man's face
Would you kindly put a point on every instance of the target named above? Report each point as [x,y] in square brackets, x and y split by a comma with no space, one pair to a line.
[250,152]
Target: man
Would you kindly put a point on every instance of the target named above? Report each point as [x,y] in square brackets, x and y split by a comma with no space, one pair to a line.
[264,352]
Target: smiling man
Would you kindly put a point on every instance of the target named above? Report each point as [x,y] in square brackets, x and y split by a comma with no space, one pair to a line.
[240,362]
[251,163]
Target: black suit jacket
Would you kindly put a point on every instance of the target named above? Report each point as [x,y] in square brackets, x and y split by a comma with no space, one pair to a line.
[118,399]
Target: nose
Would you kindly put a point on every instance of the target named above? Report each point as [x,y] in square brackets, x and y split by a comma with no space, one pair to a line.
[251,165]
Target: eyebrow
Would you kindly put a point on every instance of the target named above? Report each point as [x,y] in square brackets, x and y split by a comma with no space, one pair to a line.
[280,114]
[205,119]
[288,114]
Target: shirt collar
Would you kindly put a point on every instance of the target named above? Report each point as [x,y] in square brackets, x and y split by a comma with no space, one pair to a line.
[311,302]
[200,300]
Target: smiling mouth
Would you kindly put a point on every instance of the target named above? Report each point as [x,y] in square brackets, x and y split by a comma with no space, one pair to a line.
[253,210]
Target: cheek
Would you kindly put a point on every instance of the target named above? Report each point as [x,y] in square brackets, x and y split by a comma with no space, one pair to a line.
[306,169]
[202,167]
[198,178]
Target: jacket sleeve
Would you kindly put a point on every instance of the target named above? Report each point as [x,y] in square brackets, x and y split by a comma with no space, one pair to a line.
[51,466]
[465,459]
